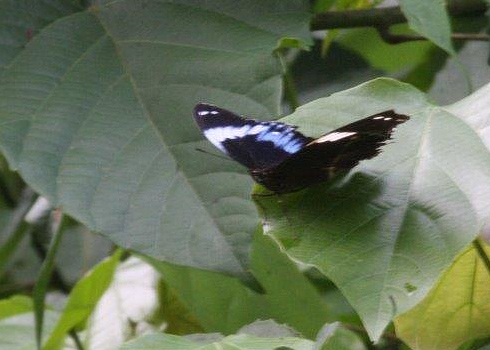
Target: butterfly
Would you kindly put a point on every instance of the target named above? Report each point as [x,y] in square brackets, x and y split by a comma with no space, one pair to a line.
[281,158]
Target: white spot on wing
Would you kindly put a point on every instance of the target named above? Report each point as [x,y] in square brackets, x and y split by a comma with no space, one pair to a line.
[334,136]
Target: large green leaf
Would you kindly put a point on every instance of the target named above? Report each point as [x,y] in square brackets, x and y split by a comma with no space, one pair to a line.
[430,19]
[96,115]
[455,311]
[384,233]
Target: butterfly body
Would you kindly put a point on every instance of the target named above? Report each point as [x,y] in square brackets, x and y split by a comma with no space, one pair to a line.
[282,159]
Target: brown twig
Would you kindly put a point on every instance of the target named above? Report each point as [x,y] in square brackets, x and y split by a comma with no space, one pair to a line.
[391,38]
[388,16]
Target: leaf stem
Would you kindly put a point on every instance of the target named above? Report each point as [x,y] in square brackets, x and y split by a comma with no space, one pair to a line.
[42,283]
[76,339]
[290,91]
[482,254]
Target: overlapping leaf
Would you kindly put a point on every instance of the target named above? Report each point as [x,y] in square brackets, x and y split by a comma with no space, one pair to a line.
[96,115]
[386,232]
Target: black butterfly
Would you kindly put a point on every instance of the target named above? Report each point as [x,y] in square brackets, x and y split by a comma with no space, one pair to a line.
[284,160]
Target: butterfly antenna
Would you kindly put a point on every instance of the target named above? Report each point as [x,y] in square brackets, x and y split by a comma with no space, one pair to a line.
[212,154]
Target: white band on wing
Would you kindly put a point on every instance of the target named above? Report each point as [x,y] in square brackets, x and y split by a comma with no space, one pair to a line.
[334,136]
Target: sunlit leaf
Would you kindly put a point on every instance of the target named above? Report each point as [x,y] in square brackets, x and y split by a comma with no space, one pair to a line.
[455,311]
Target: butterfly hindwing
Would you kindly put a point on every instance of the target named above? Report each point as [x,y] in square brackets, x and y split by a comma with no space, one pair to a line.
[252,143]
[334,152]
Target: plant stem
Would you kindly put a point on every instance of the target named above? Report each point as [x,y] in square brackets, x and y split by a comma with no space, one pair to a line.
[482,254]
[76,339]
[391,38]
[359,329]
[15,230]
[42,283]
[387,16]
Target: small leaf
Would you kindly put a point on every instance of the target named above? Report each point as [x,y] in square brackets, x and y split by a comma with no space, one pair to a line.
[455,311]
[430,19]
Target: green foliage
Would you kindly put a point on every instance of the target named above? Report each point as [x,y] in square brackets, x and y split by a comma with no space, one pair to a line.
[222,304]
[96,103]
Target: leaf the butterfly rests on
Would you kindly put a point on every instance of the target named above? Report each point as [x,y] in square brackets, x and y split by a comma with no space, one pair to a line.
[284,160]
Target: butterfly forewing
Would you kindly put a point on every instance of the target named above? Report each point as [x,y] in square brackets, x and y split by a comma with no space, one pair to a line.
[252,143]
